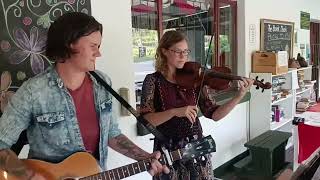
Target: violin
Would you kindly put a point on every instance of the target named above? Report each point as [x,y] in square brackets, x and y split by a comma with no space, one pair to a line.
[192,75]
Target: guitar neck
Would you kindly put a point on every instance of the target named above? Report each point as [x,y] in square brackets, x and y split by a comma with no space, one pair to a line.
[132,169]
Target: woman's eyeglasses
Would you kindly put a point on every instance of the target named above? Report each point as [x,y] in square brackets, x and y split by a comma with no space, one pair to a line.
[185,52]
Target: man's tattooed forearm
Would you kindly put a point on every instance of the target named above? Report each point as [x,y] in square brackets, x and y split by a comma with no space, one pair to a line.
[124,146]
[9,162]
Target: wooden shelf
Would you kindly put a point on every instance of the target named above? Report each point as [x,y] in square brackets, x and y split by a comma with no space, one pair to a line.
[282,122]
[281,74]
[281,99]
[300,69]
[304,68]
[302,91]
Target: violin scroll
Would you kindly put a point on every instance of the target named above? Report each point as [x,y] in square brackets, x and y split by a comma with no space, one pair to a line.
[260,84]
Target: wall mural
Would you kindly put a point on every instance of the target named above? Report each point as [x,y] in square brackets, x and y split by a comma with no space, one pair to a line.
[23,29]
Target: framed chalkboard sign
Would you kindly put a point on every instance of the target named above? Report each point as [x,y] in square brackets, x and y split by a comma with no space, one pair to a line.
[276,36]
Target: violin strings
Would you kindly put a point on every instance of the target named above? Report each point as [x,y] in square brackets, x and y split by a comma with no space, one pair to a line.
[200,71]
[205,64]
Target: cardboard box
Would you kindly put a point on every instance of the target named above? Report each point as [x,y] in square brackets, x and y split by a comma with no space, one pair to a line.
[270,62]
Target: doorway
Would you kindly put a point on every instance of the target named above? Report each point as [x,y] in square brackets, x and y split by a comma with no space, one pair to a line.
[315,54]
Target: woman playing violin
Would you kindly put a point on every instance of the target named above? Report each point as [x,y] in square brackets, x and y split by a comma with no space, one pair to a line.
[173,109]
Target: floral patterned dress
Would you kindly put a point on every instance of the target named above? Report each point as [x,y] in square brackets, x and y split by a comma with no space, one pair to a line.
[158,94]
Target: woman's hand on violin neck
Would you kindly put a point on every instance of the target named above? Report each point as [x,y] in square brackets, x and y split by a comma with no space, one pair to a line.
[245,85]
[187,111]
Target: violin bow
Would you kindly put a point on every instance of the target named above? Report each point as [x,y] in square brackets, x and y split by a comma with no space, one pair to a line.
[202,80]
[205,63]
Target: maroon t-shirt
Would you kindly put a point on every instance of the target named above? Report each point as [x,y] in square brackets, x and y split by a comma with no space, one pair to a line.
[86,114]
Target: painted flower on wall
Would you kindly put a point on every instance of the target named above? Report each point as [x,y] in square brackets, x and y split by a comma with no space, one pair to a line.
[71,1]
[50,2]
[21,75]
[44,21]
[5,46]
[29,47]
[27,21]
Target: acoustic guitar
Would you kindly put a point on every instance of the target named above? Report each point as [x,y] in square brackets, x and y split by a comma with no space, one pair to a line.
[83,166]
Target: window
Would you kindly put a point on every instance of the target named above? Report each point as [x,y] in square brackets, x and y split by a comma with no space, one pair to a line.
[227,35]
[198,19]
[192,18]
[145,40]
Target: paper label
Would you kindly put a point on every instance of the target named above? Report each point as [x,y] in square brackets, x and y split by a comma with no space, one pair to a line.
[282,58]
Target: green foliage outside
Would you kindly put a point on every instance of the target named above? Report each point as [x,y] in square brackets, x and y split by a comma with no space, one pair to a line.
[144,38]
[149,39]
[224,43]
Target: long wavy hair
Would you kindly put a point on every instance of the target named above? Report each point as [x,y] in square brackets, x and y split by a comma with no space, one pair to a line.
[168,39]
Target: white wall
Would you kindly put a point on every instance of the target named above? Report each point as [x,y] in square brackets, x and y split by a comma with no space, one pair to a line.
[117,62]
[251,11]
[229,134]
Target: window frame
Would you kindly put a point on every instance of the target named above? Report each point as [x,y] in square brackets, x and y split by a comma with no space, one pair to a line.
[215,29]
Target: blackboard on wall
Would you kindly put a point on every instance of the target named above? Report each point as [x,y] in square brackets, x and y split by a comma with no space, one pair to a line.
[276,36]
[23,33]
[24,25]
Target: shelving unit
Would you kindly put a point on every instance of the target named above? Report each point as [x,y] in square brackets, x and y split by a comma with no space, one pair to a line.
[281,99]
[305,68]
[281,123]
[261,104]
[298,92]
[302,93]
[305,90]
[280,74]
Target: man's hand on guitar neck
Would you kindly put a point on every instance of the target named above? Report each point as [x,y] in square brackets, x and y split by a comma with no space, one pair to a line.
[156,166]
[126,147]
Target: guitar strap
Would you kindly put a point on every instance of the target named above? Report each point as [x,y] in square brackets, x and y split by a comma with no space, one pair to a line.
[158,135]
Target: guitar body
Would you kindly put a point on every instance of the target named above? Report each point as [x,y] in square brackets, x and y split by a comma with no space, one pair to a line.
[83,165]
[80,164]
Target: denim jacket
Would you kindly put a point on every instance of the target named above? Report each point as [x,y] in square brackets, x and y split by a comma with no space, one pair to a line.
[44,107]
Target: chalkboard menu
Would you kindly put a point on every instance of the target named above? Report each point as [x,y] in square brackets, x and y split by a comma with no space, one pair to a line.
[276,36]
